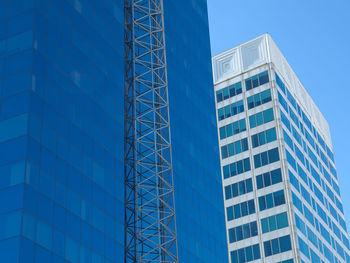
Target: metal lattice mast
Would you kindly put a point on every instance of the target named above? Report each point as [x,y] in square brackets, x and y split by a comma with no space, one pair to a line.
[150,228]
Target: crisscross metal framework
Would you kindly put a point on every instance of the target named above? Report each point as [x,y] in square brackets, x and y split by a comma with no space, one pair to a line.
[150,227]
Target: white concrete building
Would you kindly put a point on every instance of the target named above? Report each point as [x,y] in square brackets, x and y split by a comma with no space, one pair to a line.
[280,184]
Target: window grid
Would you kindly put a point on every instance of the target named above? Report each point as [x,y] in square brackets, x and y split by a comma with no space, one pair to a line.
[259,99]
[230,110]
[261,118]
[257,80]
[246,254]
[317,192]
[236,168]
[274,222]
[277,245]
[265,158]
[271,200]
[229,92]
[237,189]
[234,148]
[269,178]
[264,137]
[240,210]
[243,232]
[232,129]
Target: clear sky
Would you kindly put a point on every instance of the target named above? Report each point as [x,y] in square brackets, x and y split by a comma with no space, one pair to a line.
[314,36]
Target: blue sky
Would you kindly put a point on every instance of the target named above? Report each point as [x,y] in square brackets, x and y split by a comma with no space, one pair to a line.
[314,36]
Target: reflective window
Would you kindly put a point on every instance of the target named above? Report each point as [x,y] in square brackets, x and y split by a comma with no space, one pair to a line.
[274,222]
[280,83]
[261,118]
[269,178]
[234,148]
[264,137]
[230,110]
[236,168]
[277,245]
[259,99]
[239,188]
[240,210]
[246,254]
[232,129]
[257,80]
[229,92]
[242,232]
[271,200]
[265,158]
[283,102]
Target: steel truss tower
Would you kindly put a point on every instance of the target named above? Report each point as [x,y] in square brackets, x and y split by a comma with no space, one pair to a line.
[150,228]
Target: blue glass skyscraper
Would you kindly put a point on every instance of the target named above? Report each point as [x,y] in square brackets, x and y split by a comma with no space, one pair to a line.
[61,132]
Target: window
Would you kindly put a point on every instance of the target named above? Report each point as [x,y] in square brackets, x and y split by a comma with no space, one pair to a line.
[340,250]
[285,120]
[307,121]
[342,224]
[330,154]
[232,129]
[314,257]
[321,213]
[269,178]
[291,99]
[257,80]
[345,241]
[277,245]
[326,175]
[305,194]
[246,254]
[324,158]
[230,110]
[312,156]
[234,148]
[328,254]
[265,158]
[238,189]
[271,200]
[294,117]
[299,154]
[280,83]
[294,180]
[297,202]
[309,216]
[300,224]
[282,101]
[229,92]
[339,205]
[288,140]
[259,99]
[274,222]
[333,170]
[261,118]
[311,236]
[264,137]
[318,193]
[236,168]
[297,136]
[242,232]
[291,160]
[240,210]
[315,175]
[310,139]
[302,174]
[303,247]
